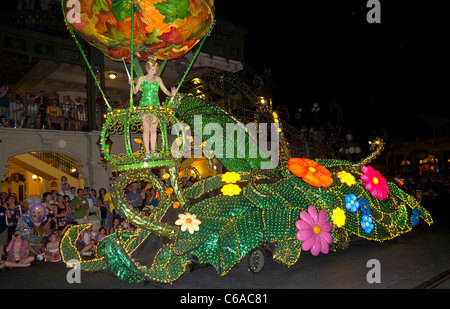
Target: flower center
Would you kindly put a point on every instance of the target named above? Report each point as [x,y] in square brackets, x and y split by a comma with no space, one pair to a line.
[312,169]
[367,223]
[316,229]
[375,180]
[189,220]
[351,202]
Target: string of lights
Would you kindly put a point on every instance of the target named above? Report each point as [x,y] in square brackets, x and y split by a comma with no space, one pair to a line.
[239,211]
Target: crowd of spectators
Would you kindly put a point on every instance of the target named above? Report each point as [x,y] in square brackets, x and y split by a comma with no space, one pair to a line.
[22,243]
[40,112]
[432,185]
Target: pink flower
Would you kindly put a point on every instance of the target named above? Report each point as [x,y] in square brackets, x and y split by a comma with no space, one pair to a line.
[375,183]
[314,231]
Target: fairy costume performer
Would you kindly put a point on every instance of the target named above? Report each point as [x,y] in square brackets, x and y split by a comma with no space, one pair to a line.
[149,85]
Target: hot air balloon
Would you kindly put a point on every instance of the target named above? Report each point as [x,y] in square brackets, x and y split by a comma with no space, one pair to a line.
[165,28]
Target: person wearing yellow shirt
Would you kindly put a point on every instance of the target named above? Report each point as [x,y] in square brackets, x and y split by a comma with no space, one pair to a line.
[54,115]
[109,209]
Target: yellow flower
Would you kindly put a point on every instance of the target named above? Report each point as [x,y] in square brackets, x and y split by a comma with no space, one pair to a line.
[231,189]
[231,177]
[346,178]
[188,222]
[166,176]
[338,217]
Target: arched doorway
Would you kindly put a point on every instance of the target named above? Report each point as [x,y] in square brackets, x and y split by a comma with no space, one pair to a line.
[33,173]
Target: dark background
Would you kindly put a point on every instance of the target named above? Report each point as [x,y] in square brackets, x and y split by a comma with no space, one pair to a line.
[385,76]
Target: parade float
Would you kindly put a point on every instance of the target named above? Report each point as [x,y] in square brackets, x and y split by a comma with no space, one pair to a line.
[295,205]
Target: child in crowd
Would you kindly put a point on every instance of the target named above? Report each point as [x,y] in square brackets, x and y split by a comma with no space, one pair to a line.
[4,121]
[87,242]
[101,234]
[52,251]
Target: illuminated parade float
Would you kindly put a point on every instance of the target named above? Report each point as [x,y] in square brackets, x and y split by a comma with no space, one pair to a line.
[284,206]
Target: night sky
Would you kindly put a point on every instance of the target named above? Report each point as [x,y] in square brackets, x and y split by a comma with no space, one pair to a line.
[383,75]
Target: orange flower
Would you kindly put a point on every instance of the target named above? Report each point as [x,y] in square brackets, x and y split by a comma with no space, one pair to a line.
[310,171]
[176,204]
[169,191]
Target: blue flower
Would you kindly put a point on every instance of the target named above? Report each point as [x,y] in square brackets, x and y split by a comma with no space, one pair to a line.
[367,224]
[364,206]
[351,202]
[415,217]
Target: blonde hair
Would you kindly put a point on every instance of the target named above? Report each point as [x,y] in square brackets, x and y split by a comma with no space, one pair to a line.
[152,63]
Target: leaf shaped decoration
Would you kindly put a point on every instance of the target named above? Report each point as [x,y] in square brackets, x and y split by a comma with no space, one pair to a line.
[121,9]
[167,266]
[411,202]
[214,214]
[69,250]
[119,260]
[68,242]
[233,226]
[287,252]
[173,9]
[211,114]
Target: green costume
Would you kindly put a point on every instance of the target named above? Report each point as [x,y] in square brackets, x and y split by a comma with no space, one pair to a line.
[149,93]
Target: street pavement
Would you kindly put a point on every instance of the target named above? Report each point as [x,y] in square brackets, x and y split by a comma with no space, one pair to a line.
[419,259]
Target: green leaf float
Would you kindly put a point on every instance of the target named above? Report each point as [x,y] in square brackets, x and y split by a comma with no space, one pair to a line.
[220,222]
[263,212]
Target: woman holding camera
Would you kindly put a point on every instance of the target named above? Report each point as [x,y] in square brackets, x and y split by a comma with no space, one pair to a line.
[18,252]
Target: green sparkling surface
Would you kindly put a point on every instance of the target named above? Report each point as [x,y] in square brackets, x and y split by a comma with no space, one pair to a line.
[241,162]
[264,212]
[149,94]
[129,121]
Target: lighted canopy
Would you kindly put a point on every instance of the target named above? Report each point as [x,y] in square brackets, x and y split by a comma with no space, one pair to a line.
[161,27]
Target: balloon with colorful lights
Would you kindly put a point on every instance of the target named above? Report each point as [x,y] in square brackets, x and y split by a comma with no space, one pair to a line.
[161,27]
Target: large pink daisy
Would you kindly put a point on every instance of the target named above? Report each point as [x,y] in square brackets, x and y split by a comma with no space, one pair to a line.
[314,231]
[375,183]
